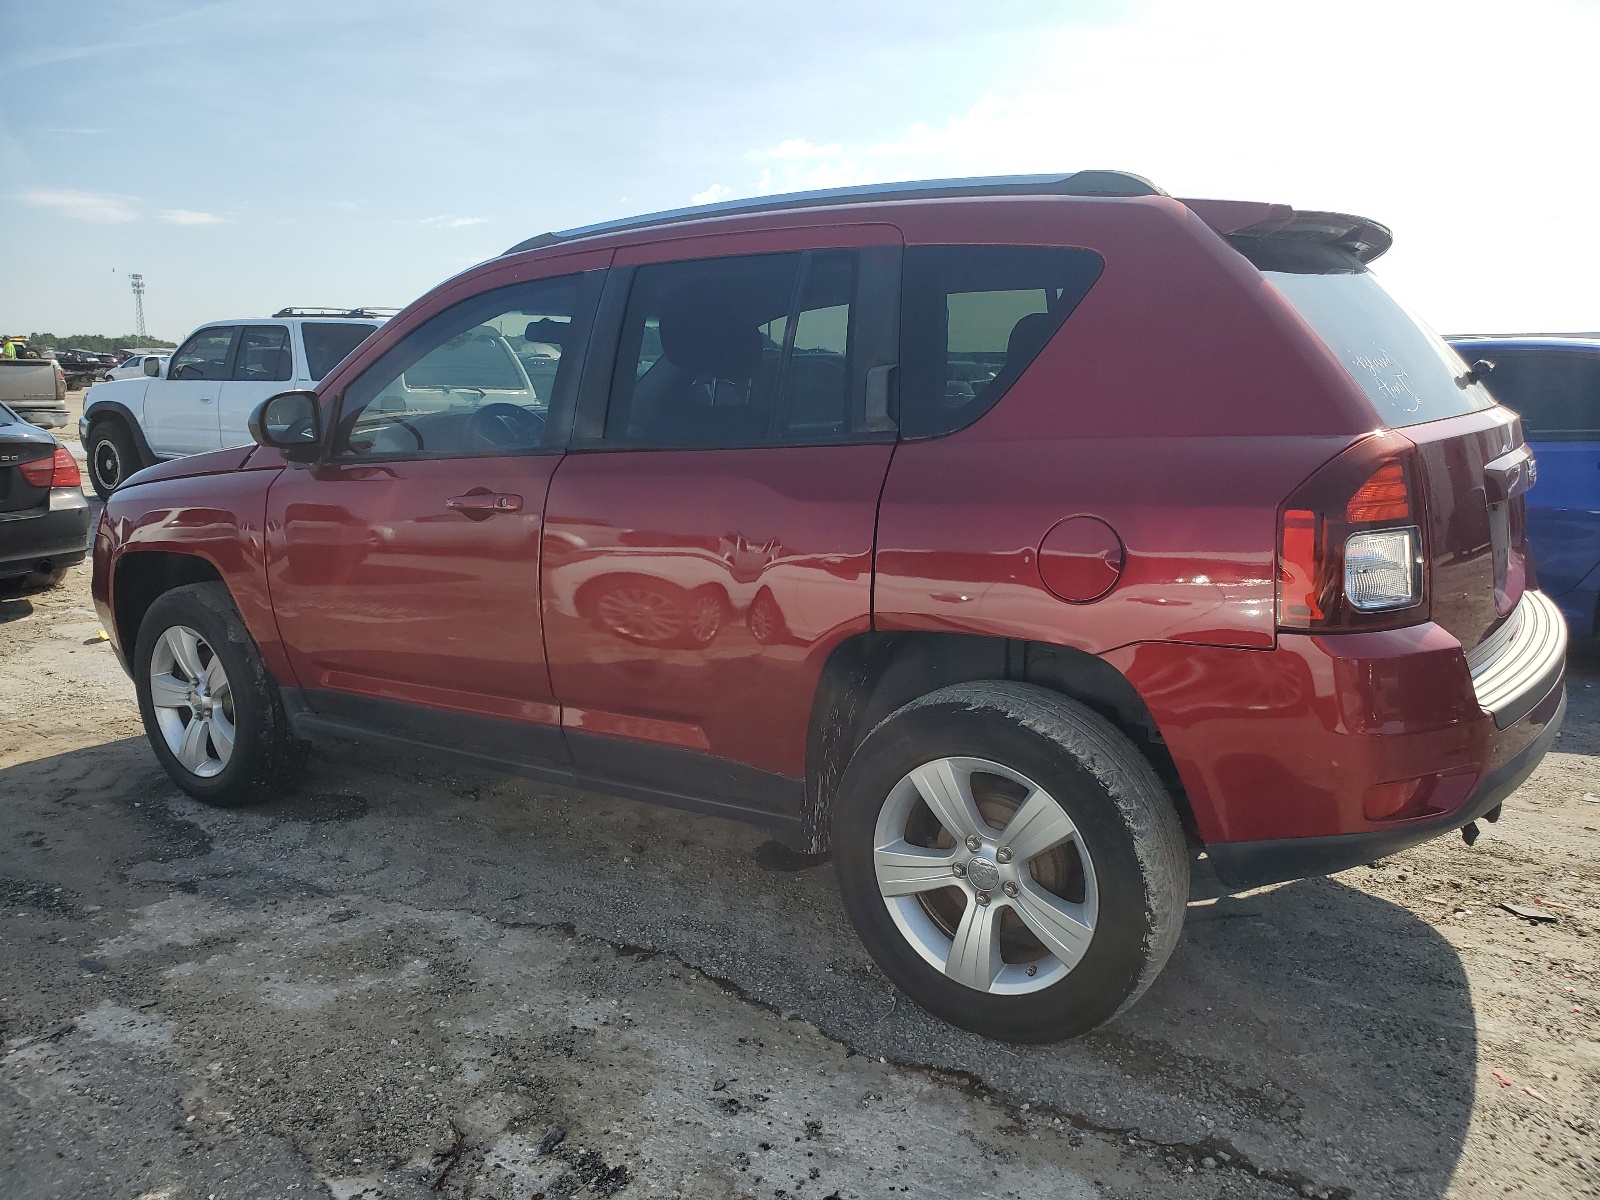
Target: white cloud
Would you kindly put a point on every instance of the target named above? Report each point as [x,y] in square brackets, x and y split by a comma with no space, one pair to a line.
[1254,99]
[187,216]
[99,208]
[808,176]
[711,195]
[448,222]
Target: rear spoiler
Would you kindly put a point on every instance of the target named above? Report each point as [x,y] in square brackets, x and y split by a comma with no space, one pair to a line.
[1278,223]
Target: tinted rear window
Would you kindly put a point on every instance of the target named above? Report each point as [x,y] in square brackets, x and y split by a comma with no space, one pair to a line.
[971,320]
[1407,371]
[1555,392]
[329,342]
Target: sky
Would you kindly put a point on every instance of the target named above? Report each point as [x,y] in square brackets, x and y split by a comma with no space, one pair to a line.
[246,156]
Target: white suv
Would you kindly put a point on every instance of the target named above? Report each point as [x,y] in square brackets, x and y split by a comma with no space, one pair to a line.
[212,383]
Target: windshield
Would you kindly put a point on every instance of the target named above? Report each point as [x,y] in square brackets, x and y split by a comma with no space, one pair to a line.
[1407,371]
[327,342]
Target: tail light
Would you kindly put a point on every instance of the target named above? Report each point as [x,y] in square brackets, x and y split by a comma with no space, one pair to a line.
[59,470]
[61,381]
[1350,553]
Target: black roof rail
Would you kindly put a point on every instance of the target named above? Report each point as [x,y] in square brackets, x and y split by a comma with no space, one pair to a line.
[1074,183]
[336,312]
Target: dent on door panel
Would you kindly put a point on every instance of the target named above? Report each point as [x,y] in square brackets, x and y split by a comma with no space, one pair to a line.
[691,598]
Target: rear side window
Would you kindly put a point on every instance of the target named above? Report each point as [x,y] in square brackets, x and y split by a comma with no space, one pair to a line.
[263,354]
[1408,372]
[327,342]
[204,356]
[971,320]
[736,351]
[1555,392]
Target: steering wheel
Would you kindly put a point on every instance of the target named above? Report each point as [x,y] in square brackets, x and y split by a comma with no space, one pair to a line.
[504,426]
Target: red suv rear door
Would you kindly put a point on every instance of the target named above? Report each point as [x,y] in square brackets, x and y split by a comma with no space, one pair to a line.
[709,534]
[405,569]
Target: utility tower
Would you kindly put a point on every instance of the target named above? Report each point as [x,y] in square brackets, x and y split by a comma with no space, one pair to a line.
[138,307]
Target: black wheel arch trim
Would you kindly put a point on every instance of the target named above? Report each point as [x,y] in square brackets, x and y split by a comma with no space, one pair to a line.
[107,409]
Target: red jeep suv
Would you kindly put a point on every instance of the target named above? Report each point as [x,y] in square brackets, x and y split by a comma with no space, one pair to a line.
[1017,541]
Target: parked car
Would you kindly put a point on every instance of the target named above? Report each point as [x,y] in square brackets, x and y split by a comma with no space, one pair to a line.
[211,384]
[153,366]
[83,367]
[35,388]
[44,518]
[1554,385]
[1096,529]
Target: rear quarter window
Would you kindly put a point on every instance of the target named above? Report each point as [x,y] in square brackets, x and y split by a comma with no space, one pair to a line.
[328,342]
[972,318]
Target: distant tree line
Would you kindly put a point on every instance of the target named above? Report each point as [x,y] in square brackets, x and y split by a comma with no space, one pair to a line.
[94,341]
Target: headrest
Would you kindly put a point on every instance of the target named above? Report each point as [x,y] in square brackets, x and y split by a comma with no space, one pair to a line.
[708,340]
[1028,337]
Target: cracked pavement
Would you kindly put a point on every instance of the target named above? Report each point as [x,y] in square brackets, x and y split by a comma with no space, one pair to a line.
[407,975]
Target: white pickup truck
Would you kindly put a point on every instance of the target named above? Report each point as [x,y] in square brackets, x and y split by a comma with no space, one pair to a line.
[212,383]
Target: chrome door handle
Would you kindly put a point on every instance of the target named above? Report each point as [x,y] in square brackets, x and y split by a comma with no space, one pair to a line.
[484,503]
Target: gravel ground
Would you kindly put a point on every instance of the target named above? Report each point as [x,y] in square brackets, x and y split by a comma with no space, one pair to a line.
[407,981]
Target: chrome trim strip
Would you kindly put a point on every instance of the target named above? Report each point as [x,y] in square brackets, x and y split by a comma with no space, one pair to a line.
[1529,658]
[1489,649]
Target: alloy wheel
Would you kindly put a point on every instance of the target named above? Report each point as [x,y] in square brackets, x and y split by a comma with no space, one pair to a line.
[985,875]
[193,701]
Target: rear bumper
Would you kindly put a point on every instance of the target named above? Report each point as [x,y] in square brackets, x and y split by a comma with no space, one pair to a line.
[1242,865]
[57,534]
[47,416]
[1330,751]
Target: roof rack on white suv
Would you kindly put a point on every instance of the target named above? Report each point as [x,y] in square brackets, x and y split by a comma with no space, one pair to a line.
[336,312]
[1074,183]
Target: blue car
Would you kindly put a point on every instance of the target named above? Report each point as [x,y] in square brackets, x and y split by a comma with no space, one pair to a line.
[1554,385]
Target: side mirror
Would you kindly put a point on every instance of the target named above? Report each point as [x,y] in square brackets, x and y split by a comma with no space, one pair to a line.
[290,422]
[152,366]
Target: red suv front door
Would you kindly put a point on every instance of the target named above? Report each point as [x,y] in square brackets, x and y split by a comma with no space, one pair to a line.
[709,535]
[405,569]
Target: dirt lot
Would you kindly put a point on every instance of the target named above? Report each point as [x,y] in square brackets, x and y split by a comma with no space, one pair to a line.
[408,982]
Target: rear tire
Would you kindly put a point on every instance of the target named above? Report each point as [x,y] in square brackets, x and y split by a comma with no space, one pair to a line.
[1042,888]
[212,713]
[113,456]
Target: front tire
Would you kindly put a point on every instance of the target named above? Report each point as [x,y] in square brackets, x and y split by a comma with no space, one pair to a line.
[210,710]
[1010,860]
[113,456]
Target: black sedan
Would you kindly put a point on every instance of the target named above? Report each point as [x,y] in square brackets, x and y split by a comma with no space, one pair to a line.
[44,517]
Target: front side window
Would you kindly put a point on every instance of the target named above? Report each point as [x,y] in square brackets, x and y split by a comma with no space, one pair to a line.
[205,355]
[330,342]
[1555,392]
[264,354]
[736,352]
[476,379]
[973,318]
